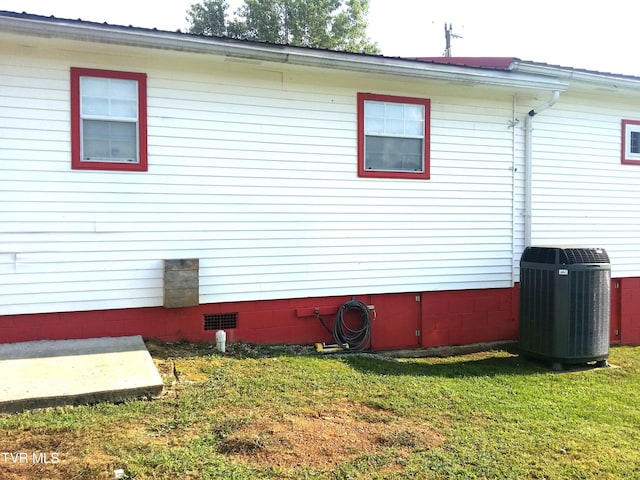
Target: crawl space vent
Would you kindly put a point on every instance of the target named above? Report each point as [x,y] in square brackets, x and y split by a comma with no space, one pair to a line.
[220,321]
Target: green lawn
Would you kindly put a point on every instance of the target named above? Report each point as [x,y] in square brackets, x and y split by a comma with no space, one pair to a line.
[287,413]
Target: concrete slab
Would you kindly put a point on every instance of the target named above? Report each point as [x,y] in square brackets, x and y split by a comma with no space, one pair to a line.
[72,372]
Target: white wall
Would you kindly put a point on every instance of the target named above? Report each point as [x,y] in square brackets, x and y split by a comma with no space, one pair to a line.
[582,194]
[252,169]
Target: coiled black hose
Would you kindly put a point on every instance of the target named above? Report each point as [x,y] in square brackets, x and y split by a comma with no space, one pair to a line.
[356,339]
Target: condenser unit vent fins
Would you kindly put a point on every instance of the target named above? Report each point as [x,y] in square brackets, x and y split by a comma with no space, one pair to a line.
[539,255]
[220,321]
[572,256]
[565,256]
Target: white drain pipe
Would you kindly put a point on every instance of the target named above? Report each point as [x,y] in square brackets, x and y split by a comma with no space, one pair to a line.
[528,165]
[221,340]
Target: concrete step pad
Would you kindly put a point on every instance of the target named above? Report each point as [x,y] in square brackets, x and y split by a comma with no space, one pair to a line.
[72,372]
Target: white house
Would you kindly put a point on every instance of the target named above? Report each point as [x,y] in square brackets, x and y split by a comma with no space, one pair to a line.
[170,185]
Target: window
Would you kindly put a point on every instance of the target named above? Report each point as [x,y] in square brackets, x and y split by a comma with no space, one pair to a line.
[393,136]
[108,120]
[631,142]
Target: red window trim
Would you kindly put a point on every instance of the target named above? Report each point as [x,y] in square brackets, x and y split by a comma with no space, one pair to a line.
[623,153]
[426,174]
[76,161]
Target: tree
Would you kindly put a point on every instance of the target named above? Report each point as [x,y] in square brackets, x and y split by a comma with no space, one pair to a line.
[208,18]
[328,24]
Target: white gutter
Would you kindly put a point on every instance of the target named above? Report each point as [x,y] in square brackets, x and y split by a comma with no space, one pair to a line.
[528,165]
[600,79]
[146,38]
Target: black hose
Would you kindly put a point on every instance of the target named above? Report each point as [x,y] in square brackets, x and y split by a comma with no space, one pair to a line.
[356,339]
[319,317]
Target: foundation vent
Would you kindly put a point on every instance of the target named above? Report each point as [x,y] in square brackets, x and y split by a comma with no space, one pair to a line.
[220,321]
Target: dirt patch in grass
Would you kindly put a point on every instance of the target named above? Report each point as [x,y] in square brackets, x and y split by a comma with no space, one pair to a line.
[53,454]
[337,434]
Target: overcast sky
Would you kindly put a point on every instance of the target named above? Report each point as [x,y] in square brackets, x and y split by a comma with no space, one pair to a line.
[594,34]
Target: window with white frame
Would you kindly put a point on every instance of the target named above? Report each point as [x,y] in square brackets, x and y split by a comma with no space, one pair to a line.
[108,123]
[631,142]
[393,136]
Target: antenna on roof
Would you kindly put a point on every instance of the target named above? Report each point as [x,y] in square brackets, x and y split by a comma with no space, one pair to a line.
[448,35]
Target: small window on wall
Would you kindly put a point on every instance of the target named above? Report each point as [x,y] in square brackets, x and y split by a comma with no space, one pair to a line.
[393,136]
[631,142]
[108,120]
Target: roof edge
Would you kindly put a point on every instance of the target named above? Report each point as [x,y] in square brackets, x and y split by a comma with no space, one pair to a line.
[52,27]
[495,63]
[610,80]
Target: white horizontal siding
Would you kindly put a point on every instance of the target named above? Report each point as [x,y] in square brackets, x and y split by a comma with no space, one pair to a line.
[254,173]
[583,195]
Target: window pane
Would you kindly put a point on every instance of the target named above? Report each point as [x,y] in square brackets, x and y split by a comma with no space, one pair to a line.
[414,112]
[394,154]
[127,89]
[373,109]
[392,161]
[413,120]
[95,106]
[374,125]
[394,110]
[374,161]
[412,163]
[124,108]
[411,146]
[109,141]
[414,128]
[393,126]
[94,87]
[635,142]
[374,146]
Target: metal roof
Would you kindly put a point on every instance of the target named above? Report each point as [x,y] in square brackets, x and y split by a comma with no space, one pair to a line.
[508,63]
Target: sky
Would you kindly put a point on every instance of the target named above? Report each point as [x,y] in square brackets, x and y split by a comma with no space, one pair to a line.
[595,35]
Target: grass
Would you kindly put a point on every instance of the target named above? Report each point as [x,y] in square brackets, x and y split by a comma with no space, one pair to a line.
[287,413]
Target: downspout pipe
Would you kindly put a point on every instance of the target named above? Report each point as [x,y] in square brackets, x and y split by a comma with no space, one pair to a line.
[528,164]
